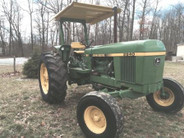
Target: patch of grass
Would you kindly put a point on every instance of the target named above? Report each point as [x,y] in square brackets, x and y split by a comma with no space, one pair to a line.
[23,113]
[5,68]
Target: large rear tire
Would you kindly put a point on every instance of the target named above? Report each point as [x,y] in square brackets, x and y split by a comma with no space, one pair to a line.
[172,101]
[52,78]
[99,116]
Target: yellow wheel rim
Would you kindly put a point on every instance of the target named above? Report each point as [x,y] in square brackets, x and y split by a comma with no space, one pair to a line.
[44,78]
[164,101]
[95,119]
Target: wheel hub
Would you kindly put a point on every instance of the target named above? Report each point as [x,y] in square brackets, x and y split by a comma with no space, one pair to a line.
[44,78]
[95,119]
[165,98]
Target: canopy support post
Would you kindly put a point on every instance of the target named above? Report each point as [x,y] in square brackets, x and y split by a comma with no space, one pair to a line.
[61,34]
[115,24]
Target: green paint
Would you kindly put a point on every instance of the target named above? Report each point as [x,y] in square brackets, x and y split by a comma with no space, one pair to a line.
[127,47]
[128,93]
[86,33]
[139,74]
[62,42]
[130,76]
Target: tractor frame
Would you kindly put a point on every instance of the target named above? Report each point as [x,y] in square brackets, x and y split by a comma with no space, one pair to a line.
[125,69]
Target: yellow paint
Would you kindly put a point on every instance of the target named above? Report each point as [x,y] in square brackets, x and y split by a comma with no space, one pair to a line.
[115,55]
[95,119]
[44,78]
[130,54]
[150,54]
[79,52]
[88,12]
[164,102]
[98,55]
[77,45]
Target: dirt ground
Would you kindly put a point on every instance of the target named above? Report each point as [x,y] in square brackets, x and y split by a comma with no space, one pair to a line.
[24,114]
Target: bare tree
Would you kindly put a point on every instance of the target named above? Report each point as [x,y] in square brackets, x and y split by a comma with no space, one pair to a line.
[13,16]
[46,10]
[172,27]
[54,6]
[40,21]
[128,24]
[42,12]
[132,20]
[145,10]
[153,23]
[17,28]
[8,14]
[2,37]
[30,11]
[167,26]
[122,21]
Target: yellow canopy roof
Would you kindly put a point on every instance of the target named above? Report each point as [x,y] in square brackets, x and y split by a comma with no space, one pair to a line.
[90,13]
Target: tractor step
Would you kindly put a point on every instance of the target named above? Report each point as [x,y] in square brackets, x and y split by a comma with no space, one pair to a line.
[80,70]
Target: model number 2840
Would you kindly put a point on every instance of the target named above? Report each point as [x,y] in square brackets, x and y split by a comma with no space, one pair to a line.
[129,54]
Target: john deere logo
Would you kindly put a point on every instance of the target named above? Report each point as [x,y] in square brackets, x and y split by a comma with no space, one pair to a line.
[157,61]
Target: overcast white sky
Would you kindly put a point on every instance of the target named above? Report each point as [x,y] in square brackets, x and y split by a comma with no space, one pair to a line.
[164,4]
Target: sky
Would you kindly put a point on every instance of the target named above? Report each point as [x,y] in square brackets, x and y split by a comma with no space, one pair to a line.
[163,4]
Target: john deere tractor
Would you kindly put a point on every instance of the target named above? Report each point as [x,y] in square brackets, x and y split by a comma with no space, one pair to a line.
[125,69]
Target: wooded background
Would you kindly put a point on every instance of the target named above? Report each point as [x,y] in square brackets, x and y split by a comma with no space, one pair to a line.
[139,19]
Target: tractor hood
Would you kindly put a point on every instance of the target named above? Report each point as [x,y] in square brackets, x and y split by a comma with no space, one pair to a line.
[128,47]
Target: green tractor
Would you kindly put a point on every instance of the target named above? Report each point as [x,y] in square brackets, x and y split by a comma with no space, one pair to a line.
[125,69]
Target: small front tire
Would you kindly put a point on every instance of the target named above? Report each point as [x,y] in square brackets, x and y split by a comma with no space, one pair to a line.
[99,116]
[172,101]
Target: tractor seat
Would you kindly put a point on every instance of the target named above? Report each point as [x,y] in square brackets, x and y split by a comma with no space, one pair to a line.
[77,45]
[79,51]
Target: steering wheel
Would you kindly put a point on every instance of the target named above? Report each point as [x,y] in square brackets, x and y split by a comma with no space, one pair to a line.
[83,42]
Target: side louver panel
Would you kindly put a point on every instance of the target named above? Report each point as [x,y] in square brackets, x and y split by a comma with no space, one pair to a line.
[128,68]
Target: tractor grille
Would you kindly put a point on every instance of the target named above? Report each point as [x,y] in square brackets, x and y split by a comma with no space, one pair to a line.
[128,69]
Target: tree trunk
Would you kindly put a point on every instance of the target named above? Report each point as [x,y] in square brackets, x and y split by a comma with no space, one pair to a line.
[43,32]
[2,38]
[121,35]
[132,21]
[142,21]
